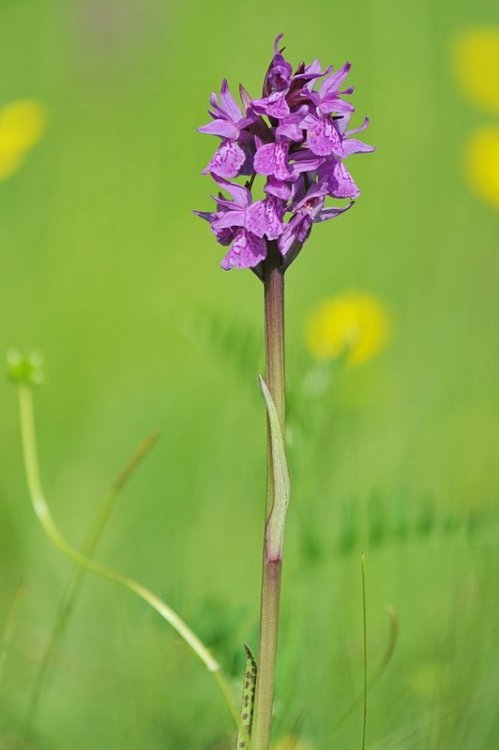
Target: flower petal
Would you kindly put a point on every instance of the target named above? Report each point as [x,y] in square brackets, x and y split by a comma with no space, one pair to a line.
[227,160]
[245,97]
[274,105]
[295,233]
[353,146]
[331,212]
[305,161]
[223,128]
[225,235]
[263,218]
[229,105]
[240,194]
[247,251]
[279,188]
[335,80]
[272,159]
[322,136]
[230,219]
[364,125]
[339,180]
[290,130]
[335,104]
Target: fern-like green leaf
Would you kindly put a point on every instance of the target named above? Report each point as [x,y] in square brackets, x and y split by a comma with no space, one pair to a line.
[247,701]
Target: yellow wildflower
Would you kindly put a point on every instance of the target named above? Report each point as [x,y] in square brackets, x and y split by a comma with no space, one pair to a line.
[354,325]
[21,127]
[483,163]
[476,65]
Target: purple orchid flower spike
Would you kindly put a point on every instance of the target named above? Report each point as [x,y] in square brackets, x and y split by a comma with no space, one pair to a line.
[296,136]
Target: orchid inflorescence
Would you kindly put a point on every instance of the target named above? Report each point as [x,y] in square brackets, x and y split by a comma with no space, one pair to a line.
[297,137]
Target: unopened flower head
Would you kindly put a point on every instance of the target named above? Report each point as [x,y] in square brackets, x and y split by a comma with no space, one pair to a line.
[24,369]
[296,138]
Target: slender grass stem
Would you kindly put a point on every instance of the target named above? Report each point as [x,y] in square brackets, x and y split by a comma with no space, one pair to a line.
[384,661]
[364,623]
[42,511]
[273,279]
[74,584]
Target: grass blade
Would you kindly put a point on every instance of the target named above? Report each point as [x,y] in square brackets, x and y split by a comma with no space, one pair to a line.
[73,586]
[42,511]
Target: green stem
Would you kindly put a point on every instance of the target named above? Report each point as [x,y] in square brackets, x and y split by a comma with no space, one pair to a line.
[42,511]
[273,279]
[364,622]
[73,586]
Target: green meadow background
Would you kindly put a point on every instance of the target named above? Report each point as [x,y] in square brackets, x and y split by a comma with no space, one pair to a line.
[106,272]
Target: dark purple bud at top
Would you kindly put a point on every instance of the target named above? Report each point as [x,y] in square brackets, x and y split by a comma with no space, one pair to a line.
[278,76]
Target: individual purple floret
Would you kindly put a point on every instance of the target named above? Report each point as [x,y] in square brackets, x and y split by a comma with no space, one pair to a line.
[291,143]
[244,224]
[231,157]
[306,212]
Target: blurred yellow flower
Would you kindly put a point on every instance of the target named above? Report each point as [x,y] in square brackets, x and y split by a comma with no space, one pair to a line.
[291,743]
[483,163]
[21,126]
[354,325]
[476,65]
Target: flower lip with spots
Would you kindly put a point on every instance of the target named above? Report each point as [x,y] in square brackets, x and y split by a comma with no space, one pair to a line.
[295,137]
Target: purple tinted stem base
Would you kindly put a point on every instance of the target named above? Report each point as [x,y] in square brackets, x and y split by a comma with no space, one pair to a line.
[273,279]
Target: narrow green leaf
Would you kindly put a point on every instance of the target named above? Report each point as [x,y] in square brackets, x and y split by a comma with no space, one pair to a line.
[74,584]
[43,513]
[247,700]
[277,518]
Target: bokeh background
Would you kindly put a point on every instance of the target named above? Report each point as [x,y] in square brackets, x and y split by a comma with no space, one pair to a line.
[107,273]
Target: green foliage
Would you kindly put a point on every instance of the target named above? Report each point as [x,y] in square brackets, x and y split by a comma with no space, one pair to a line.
[276,520]
[390,522]
[101,262]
